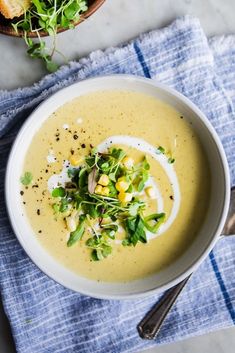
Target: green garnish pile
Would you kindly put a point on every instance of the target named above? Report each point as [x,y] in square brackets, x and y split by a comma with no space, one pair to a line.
[104,194]
[48,16]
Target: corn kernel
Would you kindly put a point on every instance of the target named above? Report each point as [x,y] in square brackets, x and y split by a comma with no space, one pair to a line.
[128,162]
[105,191]
[98,189]
[125,197]
[71,224]
[74,160]
[122,185]
[150,192]
[103,180]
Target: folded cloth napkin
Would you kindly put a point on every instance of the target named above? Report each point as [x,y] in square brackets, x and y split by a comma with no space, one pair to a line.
[47,318]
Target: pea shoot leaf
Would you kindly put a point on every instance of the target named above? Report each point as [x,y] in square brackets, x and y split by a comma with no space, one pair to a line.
[118,153]
[26,179]
[160,150]
[143,178]
[78,233]
[136,230]
[171,160]
[58,192]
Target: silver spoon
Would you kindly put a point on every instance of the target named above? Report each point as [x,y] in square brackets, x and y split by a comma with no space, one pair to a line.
[150,325]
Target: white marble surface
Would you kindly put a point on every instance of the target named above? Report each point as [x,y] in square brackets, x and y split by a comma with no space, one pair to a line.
[118,21]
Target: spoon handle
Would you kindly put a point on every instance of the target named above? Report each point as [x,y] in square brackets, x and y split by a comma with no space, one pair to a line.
[152,322]
[150,325]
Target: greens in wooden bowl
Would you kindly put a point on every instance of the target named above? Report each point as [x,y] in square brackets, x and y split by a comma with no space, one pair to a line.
[36,19]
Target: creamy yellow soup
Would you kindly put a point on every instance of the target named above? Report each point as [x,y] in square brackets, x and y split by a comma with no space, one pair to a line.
[89,120]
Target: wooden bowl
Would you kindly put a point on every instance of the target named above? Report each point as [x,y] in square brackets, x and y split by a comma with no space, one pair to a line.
[6,28]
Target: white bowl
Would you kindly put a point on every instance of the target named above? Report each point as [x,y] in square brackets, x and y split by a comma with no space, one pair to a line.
[208,234]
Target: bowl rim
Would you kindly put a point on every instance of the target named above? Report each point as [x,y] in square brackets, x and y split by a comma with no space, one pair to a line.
[9,30]
[203,254]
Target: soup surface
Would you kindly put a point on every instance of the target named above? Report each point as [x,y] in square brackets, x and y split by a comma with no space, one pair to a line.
[141,126]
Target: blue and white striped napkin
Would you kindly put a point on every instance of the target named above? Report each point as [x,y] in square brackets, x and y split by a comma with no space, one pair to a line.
[47,318]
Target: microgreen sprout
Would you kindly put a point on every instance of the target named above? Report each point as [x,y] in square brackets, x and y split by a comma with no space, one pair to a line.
[48,16]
